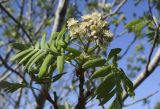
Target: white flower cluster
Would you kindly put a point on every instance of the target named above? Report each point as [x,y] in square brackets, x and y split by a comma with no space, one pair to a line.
[93,26]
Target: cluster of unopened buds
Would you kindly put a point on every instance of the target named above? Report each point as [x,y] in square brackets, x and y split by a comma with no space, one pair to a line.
[92,25]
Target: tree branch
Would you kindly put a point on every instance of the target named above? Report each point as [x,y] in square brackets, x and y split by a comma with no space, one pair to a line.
[17,22]
[60,15]
[81,99]
[129,46]
[116,10]
[10,68]
[145,74]
[143,99]
[150,67]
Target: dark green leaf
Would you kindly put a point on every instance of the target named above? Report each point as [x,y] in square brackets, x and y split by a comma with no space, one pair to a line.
[106,82]
[74,51]
[20,46]
[107,97]
[113,52]
[101,72]
[57,77]
[94,63]
[10,87]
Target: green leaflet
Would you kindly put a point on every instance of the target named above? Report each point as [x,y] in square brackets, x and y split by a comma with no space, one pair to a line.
[94,63]
[46,46]
[61,43]
[36,59]
[73,51]
[53,48]
[109,87]
[53,37]
[117,105]
[21,54]
[60,35]
[107,97]
[43,41]
[11,87]
[37,45]
[109,78]
[101,72]
[51,69]
[67,39]
[45,65]
[92,49]
[25,59]
[133,23]
[60,63]
[113,52]
[32,58]
[128,85]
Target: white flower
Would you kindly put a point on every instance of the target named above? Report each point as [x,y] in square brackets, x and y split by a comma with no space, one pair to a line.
[72,22]
[86,17]
[96,16]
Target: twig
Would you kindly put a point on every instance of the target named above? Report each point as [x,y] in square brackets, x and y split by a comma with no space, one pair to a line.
[54,102]
[17,22]
[30,10]
[151,14]
[129,46]
[150,67]
[144,75]
[116,10]
[143,99]
[17,102]
[10,68]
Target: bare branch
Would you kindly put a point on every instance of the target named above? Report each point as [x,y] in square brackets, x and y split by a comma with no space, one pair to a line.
[145,74]
[10,68]
[60,15]
[17,22]
[129,46]
[151,14]
[30,10]
[116,10]
[140,100]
